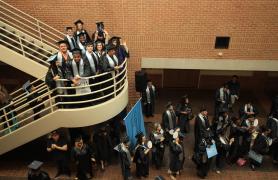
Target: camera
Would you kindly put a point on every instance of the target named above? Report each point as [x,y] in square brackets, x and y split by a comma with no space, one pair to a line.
[100,28]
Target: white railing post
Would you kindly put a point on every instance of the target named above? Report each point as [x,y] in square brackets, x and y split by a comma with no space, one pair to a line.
[115,84]
[39,29]
[7,120]
[21,45]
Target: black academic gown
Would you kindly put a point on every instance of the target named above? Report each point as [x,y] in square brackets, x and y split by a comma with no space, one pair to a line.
[273,125]
[260,146]
[234,87]
[41,176]
[73,40]
[104,66]
[82,158]
[183,119]
[158,149]
[149,106]
[222,150]
[103,145]
[236,150]
[166,124]
[201,130]
[35,103]
[87,37]
[125,162]
[219,105]
[142,161]
[243,115]
[60,157]
[176,157]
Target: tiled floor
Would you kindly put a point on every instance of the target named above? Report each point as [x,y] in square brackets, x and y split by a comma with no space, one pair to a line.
[13,165]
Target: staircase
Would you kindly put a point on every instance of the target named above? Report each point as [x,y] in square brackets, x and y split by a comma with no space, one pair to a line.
[26,43]
[19,127]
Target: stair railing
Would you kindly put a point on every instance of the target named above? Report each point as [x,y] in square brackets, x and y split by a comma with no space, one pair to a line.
[28,24]
[20,45]
[17,114]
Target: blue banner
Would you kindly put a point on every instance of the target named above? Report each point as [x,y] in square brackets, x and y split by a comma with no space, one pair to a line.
[134,122]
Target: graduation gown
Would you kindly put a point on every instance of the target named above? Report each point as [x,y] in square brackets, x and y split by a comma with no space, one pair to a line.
[243,110]
[35,103]
[176,157]
[158,148]
[125,161]
[141,160]
[82,158]
[236,150]
[87,37]
[149,104]
[200,129]
[71,42]
[183,119]
[168,116]
[221,102]
[41,176]
[103,145]
[234,87]
[60,157]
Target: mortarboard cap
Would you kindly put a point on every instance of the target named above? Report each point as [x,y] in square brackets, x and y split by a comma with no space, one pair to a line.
[26,85]
[81,34]
[35,165]
[110,47]
[52,58]
[76,51]
[169,103]
[78,21]
[203,108]
[115,38]
[89,43]
[99,23]
[67,28]
[125,140]
[250,116]
[62,42]
[139,135]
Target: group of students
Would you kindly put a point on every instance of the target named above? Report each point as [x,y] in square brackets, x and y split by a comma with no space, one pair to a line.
[80,57]
[87,151]
[236,137]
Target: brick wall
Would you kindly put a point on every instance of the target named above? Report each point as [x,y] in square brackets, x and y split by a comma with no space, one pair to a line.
[167,28]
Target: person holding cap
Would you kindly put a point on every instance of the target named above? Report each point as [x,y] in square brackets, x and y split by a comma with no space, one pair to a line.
[52,79]
[70,38]
[35,172]
[169,120]
[57,145]
[80,29]
[125,158]
[141,156]
[202,127]
[122,51]
[100,34]
[83,156]
[176,154]
[184,112]
[157,138]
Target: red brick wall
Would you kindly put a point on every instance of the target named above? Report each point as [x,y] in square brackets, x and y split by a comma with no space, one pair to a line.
[167,28]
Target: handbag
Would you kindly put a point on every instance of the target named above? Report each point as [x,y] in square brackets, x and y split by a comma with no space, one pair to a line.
[255,156]
[241,162]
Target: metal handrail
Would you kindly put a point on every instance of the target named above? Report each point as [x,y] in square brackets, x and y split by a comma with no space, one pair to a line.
[118,84]
[41,28]
[24,47]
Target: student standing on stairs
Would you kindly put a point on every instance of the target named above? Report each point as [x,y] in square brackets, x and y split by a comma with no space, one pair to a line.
[70,38]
